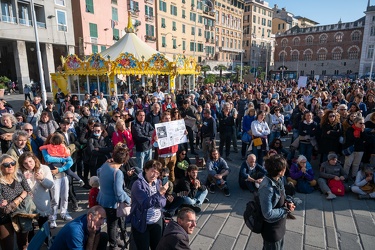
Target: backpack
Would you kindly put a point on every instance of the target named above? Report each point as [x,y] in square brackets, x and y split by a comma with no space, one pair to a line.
[337,187]
[253,216]
[303,186]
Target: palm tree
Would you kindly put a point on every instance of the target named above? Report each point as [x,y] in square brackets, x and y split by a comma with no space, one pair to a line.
[246,69]
[205,68]
[221,67]
[238,71]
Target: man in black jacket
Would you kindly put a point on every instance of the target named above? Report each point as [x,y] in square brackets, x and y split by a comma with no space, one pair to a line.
[226,123]
[142,132]
[208,133]
[176,233]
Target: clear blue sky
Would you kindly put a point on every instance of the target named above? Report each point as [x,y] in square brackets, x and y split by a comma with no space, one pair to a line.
[324,11]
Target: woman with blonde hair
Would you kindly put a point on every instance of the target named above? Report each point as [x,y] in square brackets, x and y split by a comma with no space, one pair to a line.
[123,134]
[14,192]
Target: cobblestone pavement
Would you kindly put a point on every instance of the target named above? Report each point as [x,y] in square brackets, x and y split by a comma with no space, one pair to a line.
[343,223]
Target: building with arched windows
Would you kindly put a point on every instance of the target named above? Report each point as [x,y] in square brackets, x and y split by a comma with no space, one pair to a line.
[325,50]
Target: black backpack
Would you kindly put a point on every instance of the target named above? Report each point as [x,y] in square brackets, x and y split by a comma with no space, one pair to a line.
[253,216]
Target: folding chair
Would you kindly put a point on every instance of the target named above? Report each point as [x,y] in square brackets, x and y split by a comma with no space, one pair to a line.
[39,238]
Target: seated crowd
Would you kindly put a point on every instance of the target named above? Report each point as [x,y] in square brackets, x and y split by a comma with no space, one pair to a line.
[112,144]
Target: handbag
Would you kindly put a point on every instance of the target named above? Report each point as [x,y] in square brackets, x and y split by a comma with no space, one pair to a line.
[257,142]
[284,131]
[336,187]
[348,151]
[246,138]
[123,208]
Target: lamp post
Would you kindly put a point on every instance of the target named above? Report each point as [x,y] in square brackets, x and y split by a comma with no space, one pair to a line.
[372,62]
[204,3]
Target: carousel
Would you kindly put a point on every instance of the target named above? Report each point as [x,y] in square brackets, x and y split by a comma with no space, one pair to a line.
[124,67]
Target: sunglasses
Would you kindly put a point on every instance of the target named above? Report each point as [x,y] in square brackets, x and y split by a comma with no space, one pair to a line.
[330,116]
[117,116]
[28,129]
[9,164]
[184,154]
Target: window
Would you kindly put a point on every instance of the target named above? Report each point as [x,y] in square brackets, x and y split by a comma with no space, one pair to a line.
[183,14]
[183,45]
[338,38]
[90,6]
[284,43]
[191,46]
[163,41]
[309,40]
[163,23]
[192,30]
[114,2]
[173,10]
[200,20]
[116,34]
[114,14]
[93,30]
[162,6]
[94,48]
[149,11]
[336,55]
[324,72]
[356,36]
[174,27]
[133,6]
[60,2]
[322,55]
[103,47]
[193,16]
[296,41]
[61,20]
[150,30]
[254,19]
[295,56]
[282,56]
[353,54]
[323,39]
[183,28]
[372,31]
[174,43]
[370,51]
[307,56]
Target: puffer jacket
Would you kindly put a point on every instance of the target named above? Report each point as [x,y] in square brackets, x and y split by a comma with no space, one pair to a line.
[46,128]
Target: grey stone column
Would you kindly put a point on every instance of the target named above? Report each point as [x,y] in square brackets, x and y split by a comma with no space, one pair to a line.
[21,63]
[48,64]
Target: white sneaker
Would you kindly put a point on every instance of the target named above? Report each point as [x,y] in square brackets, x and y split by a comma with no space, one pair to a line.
[52,224]
[331,196]
[257,185]
[66,217]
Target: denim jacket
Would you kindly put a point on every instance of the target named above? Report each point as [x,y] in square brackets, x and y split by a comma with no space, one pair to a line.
[269,196]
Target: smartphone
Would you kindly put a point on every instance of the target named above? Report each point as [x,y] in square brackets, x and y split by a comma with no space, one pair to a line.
[164,180]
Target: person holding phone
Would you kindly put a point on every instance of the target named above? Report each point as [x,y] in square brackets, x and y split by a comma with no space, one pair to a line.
[191,189]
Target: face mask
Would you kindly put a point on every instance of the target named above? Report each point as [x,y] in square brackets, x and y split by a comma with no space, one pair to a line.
[97,135]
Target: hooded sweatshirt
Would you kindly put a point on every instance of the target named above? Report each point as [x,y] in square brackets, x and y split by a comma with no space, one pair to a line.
[174,238]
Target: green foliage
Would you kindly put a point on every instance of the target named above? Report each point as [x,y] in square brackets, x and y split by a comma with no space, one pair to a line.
[209,79]
[4,79]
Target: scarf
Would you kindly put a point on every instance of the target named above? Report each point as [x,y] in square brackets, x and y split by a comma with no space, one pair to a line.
[357,131]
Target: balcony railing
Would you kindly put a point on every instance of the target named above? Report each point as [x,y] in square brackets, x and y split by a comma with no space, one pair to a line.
[149,2]
[41,25]
[134,12]
[149,18]
[8,19]
[25,22]
[150,38]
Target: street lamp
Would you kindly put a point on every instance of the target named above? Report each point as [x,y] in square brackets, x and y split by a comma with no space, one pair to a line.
[204,3]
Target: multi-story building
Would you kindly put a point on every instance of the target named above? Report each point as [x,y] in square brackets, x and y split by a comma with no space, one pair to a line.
[98,24]
[186,27]
[18,53]
[258,41]
[368,45]
[326,50]
[282,20]
[228,32]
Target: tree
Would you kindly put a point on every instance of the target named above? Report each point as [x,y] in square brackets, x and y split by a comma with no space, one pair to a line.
[221,67]
[238,71]
[204,69]
[246,69]
[210,78]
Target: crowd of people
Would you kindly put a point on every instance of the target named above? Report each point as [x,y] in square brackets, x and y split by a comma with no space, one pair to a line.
[111,143]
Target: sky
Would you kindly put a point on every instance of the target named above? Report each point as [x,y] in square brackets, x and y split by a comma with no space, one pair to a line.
[325,11]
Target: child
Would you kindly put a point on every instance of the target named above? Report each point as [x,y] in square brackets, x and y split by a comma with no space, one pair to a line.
[94,183]
[58,149]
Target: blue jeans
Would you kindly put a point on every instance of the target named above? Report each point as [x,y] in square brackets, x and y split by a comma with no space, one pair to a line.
[306,150]
[295,134]
[200,196]
[259,154]
[143,157]
[274,135]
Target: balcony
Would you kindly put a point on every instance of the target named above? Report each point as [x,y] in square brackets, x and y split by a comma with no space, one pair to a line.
[116,38]
[41,25]
[163,25]
[8,19]
[174,28]
[149,18]
[206,27]
[25,22]
[137,23]
[150,38]
[207,40]
[151,2]
[183,16]
[164,45]
[175,46]
[134,12]
[212,41]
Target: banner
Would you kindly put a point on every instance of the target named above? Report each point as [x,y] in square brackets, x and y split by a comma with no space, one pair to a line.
[170,133]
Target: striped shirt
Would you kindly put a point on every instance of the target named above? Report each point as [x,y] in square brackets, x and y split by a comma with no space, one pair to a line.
[153,213]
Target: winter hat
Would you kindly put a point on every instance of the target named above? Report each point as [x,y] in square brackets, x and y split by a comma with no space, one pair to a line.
[332,156]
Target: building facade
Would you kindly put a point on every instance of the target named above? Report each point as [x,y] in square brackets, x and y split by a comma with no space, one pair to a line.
[99,24]
[327,50]
[18,53]
[368,46]
[258,41]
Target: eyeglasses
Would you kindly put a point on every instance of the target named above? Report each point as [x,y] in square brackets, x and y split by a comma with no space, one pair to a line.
[330,116]
[302,162]
[26,129]
[117,116]
[361,123]
[92,102]
[9,164]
